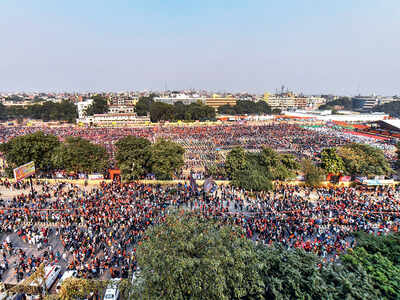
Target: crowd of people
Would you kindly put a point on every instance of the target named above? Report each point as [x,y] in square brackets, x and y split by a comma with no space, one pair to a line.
[206,145]
[96,231]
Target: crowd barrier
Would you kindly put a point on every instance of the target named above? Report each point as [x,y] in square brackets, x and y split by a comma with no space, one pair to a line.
[199,182]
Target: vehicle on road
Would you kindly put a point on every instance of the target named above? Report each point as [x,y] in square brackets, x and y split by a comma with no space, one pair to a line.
[112,291]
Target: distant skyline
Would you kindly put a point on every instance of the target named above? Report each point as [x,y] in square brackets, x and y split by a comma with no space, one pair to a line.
[343,47]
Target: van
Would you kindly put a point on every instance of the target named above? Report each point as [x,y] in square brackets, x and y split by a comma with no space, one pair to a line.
[67,274]
[112,291]
[50,276]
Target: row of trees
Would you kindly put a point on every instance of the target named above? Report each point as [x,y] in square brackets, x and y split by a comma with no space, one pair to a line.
[355,160]
[135,157]
[178,111]
[345,102]
[75,154]
[392,108]
[247,107]
[48,111]
[191,257]
[256,171]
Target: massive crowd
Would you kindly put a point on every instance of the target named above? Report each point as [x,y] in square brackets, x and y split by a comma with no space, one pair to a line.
[206,145]
[96,231]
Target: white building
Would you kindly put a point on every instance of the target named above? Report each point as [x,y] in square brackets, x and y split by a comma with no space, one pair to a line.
[185,99]
[121,109]
[82,106]
[113,119]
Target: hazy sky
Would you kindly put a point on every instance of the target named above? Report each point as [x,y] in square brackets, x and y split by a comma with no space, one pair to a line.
[310,46]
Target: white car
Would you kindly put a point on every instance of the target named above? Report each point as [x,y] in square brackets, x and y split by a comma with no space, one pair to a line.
[112,291]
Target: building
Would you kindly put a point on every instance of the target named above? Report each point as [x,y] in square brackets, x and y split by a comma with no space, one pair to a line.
[290,101]
[216,101]
[113,119]
[124,101]
[82,106]
[385,100]
[185,99]
[365,103]
[121,109]
[281,102]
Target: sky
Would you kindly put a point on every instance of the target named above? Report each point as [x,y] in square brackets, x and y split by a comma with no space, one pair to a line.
[344,47]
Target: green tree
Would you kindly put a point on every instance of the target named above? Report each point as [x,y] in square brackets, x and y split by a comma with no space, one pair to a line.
[235,162]
[385,276]
[190,257]
[160,111]
[166,159]
[3,112]
[80,155]
[345,282]
[391,108]
[99,106]
[80,288]
[142,107]
[387,245]
[332,163]
[279,167]
[345,102]
[252,178]
[364,160]
[255,171]
[246,107]
[37,147]
[227,110]
[133,157]
[313,174]
[291,274]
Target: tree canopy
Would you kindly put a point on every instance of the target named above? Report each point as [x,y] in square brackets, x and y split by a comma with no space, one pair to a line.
[166,112]
[189,257]
[142,107]
[313,175]
[47,111]
[391,108]
[99,106]
[133,157]
[37,147]
[80,155]
[178,111]
[345,102]
[331,162]
[255,171]
[364,160]
[166,159]
[245,107]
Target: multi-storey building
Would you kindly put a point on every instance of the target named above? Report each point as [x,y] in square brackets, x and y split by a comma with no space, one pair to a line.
[185,99]
[82,106]
[110,119]
[217,101]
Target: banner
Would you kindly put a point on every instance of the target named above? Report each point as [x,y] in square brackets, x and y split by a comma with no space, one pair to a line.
[378,182]
[24,171]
